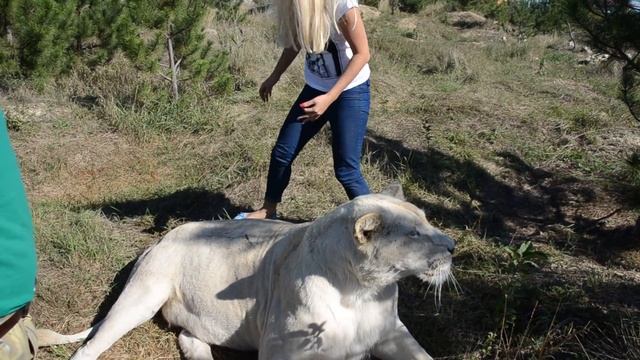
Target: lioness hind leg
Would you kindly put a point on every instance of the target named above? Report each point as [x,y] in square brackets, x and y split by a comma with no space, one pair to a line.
[139,301]
[194,348]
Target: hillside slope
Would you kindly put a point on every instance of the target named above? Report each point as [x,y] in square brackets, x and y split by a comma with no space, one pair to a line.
[502,140]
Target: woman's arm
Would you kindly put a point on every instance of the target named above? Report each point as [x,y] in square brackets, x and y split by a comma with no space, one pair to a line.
[286,58]
[352,28]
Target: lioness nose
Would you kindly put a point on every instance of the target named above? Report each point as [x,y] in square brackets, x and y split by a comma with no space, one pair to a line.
[443,240]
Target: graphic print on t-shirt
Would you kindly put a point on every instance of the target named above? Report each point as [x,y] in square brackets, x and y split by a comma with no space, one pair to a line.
[321,65]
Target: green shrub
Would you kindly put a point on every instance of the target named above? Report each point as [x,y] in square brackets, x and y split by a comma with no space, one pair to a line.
[413,6]
[49,36]
[631,175]
[373,3]
[9,66]
[229,10]
[523,256]
[44,32]
[507,51]
[528,16]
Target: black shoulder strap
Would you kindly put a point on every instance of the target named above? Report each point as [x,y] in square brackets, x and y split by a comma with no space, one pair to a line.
[331,48]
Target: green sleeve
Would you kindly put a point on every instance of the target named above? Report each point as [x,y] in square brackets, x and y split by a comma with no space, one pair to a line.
[17,248]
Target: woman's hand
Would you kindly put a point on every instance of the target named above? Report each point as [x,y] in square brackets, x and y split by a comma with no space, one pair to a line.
[266,87]
[315,107]
[286,58]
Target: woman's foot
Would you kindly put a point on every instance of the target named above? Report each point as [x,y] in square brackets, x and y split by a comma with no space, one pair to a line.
[266,212]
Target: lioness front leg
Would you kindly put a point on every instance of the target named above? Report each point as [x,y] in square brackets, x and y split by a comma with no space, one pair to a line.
[194,348]
[400,344]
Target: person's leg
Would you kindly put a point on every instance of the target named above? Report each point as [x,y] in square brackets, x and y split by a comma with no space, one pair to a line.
[292,138]
[19,343]
[348,117]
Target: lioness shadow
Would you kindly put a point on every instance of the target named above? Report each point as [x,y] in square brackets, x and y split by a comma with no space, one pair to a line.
[526,203]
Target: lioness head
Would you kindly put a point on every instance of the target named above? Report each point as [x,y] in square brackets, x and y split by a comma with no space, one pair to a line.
[394,239]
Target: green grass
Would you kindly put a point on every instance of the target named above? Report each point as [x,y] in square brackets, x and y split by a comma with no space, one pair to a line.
[83,238]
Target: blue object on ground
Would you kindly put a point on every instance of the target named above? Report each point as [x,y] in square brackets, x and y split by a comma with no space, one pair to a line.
[243,216]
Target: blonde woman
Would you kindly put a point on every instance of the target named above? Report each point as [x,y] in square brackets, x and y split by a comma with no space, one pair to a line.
[332,36]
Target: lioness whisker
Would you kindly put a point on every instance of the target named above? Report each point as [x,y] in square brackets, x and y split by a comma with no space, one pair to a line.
[453,282]
[456,284]
[437,294]
[449,285]
[427,291]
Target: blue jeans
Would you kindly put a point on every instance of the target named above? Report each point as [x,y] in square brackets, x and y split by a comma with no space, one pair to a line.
[348,117]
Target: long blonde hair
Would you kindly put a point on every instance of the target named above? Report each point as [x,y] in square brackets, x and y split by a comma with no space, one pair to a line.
[305,24]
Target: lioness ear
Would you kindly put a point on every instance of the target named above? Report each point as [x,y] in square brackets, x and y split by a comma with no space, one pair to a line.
[394,189]
[366,226]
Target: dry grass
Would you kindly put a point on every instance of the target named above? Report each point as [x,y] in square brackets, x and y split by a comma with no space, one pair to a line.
[499,140]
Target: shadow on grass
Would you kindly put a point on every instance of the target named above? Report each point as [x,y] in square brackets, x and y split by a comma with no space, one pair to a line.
[533,204]
[524,310]
[191,204]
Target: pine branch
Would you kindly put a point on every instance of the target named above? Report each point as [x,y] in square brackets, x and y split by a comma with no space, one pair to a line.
[164,76]
[174,68]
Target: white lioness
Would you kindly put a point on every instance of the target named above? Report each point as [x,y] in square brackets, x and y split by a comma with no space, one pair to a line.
[320,290]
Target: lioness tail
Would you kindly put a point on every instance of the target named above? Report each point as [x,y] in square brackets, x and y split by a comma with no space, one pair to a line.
[48,337]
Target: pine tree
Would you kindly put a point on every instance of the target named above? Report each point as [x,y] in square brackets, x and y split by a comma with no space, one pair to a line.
[4,20]
[43,30]
[613,27]
[112,27]
[44,38]
[228,10]
[187,48]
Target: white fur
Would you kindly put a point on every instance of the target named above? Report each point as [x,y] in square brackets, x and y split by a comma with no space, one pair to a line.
[292,291]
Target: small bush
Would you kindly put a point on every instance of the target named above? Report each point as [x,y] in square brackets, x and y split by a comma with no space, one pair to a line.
[139,103]
[558,57]
[632,169]
[9,66]
[504,52]
[529,17]
[429,57]
[229,10]
[584,120]
[523,257]
[373,3]
[413,6]
[630,90]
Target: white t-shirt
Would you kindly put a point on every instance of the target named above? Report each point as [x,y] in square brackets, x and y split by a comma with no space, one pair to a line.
[320,70]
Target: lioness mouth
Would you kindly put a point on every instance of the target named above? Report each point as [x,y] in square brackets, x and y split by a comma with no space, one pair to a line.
[437,275]
[439,271]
